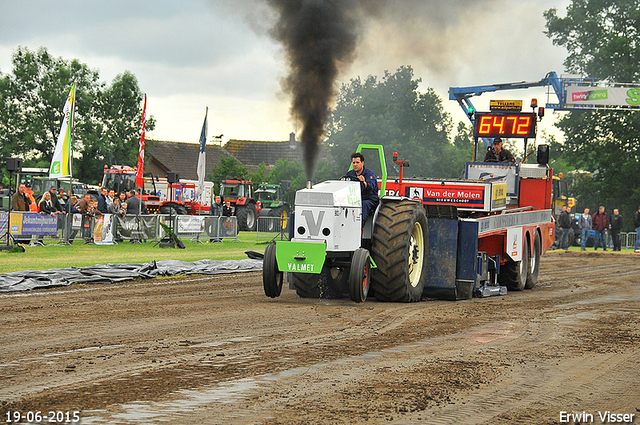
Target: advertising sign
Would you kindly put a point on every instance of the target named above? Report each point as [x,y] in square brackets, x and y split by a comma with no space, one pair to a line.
[460,195]
[611,96]
[24,223]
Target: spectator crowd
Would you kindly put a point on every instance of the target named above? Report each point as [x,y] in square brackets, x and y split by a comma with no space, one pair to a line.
[599,223]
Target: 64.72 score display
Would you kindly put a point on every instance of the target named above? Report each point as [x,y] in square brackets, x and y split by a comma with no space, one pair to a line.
[509,125]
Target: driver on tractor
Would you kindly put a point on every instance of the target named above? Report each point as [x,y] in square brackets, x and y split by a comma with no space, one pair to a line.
[368,185]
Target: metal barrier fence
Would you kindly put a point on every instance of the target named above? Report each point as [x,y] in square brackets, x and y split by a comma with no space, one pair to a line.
[33,228]
[628,240]
[273,228]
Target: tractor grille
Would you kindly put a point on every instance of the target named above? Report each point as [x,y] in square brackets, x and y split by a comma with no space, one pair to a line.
[317,199]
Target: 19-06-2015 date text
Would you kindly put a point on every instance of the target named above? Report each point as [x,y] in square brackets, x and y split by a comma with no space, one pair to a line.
[50,416]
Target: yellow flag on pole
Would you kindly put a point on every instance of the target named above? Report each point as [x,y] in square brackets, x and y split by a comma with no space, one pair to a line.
[61,161]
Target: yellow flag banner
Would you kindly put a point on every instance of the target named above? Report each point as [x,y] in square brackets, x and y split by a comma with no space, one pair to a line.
[61,161]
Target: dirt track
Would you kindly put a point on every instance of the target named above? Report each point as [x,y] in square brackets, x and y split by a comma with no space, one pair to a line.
[216,350]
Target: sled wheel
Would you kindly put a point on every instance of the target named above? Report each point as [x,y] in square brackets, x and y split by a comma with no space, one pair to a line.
[514,274]
[534,267]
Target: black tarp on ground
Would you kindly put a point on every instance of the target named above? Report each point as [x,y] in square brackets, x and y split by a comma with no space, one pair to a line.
[112,273]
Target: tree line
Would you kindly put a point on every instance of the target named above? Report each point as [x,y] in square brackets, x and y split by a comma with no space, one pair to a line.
[106,120]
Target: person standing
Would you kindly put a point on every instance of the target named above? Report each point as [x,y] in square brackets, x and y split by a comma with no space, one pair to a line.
[564,221]
[19,200]
[85,208]
[70,209]
[368,185]
[600,224]
[54,200]
[28,193]
[636,224]
[585,225]
[102,200]
[110,202]
[216,211]
[134,206]
[616,227]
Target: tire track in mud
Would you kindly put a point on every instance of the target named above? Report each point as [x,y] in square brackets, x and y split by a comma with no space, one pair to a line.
[241,357]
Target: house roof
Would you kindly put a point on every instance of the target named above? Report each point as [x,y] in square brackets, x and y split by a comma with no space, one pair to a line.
[182,157]
[254,152]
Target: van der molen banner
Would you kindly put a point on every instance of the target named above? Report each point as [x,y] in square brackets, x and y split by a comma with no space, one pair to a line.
[613,96]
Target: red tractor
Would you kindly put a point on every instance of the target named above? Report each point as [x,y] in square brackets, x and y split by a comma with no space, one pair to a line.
[240,193]
[122,178]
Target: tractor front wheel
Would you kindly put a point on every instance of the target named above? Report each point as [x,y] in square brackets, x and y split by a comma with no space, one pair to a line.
[359,275]
[330,283]
[271,276]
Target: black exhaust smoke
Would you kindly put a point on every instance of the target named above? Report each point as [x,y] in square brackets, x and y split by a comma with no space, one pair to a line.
[319,37]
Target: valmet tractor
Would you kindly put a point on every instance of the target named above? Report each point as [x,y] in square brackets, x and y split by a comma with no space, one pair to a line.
[438,238]
[330,255]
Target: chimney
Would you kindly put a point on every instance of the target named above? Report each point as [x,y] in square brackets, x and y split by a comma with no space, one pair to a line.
[293,143]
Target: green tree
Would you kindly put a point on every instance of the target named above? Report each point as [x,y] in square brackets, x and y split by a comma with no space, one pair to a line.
[603,42]
[106,118]
[260,176]
[288,170]
[229,167]
[393,113]
[114,137]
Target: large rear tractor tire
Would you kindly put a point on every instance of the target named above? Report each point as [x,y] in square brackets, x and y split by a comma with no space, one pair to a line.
[359,275]
[513,275]
[282,212]
[399,249]
[173,209]
[247,217]
[271,276]
[534,265]
[330,283]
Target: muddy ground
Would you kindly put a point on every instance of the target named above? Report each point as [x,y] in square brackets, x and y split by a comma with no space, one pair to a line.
[216,350]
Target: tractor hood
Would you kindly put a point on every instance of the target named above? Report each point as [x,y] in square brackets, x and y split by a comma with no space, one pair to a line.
[332,193]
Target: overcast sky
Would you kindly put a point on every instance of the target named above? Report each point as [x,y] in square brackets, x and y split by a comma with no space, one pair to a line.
[191,54]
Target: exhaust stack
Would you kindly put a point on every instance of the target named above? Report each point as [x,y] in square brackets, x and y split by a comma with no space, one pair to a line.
[309,185]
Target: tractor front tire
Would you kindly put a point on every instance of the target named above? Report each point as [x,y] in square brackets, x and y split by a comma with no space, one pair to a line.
[247,217]
[359,275]
[330,283]
[399,250]
[172,209]
[271,276]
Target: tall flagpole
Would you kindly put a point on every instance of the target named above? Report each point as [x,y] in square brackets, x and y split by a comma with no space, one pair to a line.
[71,123]
[140,166]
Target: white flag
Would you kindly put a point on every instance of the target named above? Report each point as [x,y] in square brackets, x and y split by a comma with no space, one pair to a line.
[202,158]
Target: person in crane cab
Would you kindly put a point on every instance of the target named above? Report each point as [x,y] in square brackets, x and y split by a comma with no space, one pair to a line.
[497,153]
[368,185]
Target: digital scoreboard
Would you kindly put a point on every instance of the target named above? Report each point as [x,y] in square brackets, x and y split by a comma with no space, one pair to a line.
[505,124]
